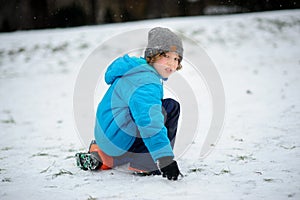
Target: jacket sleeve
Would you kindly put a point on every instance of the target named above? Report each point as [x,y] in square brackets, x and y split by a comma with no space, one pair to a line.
[146,109]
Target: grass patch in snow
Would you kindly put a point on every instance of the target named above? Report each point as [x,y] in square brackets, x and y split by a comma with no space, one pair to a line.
[6,180]
[276,25]
[6,148]
[269,180]
[70,157]
[287,147]
[45,170]
[61,47]
[92,198]
[194,170]
[8,121]
[62,172]
[245,158]
[222,172]
[43,154]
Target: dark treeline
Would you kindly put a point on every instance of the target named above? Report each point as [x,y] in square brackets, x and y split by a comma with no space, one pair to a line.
[38,14]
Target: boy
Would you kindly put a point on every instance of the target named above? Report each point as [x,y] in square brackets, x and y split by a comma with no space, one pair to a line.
[133,123]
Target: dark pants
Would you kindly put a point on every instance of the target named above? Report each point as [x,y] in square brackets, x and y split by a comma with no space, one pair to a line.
[138,155]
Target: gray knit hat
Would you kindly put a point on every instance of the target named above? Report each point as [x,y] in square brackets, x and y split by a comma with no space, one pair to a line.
[163,40]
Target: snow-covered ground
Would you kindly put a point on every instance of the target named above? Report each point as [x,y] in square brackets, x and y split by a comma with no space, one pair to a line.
[257,157]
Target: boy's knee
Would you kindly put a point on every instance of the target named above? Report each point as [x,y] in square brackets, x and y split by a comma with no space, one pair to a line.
[171,105]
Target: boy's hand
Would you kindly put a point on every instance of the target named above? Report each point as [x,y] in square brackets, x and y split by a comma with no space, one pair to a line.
[169,168]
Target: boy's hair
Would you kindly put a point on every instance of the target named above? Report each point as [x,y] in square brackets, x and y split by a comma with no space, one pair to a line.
[153,59]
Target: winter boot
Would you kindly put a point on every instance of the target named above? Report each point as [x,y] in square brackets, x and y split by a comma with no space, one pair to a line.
[88,161]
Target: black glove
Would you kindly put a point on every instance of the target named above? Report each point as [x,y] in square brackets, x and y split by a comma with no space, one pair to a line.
[168,168]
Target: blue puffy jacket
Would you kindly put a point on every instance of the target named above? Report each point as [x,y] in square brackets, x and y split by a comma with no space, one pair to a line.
[132,104]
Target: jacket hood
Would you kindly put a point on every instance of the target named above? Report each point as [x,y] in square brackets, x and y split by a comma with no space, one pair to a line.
[125,65]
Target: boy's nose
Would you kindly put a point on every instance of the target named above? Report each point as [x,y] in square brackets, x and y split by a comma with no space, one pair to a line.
[173,65]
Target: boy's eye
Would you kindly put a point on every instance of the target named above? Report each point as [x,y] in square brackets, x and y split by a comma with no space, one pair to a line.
[177,59]
[165,55]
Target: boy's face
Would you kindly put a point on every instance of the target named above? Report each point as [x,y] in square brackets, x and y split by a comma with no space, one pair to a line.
[167,64]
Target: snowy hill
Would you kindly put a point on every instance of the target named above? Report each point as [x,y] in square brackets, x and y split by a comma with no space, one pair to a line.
[257,157]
